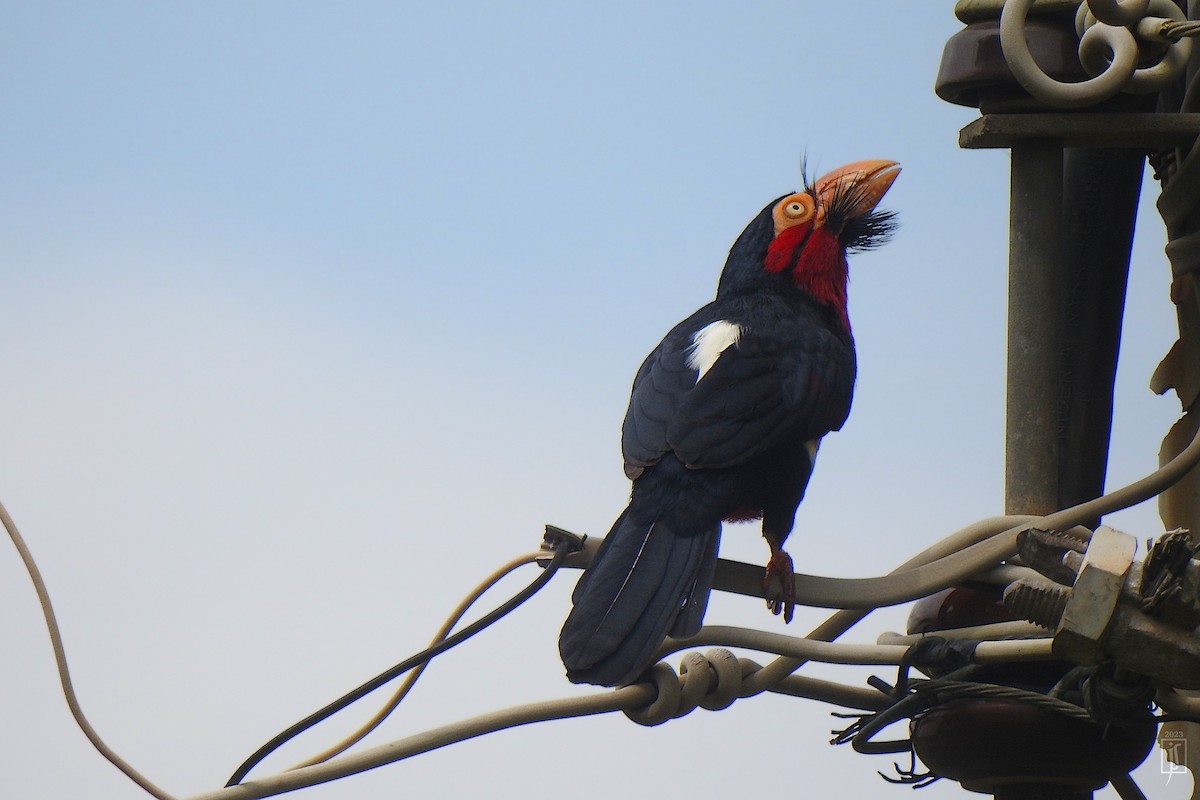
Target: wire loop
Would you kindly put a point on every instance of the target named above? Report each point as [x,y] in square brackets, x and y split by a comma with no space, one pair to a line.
[711,681]
[1108,50]
[1146,79]
[1118,12]
[666,703]
[729,670]
[698,677]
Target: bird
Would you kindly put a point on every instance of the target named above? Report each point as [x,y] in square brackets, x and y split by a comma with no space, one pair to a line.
[725,418]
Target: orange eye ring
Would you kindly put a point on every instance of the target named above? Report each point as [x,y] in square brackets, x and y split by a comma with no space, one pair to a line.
[795,209]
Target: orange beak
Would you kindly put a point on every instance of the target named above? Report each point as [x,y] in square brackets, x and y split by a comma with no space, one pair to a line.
[859,186]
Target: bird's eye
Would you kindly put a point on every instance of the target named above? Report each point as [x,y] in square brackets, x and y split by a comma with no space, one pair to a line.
[797,208]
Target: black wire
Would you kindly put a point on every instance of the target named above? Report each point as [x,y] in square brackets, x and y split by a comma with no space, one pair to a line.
[918,699]
[560,551]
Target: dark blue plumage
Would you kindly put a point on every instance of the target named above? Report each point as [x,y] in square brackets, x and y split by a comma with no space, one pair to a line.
[722,424]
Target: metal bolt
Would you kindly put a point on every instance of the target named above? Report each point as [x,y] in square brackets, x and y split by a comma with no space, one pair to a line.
[1042,603]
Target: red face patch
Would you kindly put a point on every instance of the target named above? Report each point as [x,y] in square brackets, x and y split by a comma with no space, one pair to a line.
[781,253]
[821,271]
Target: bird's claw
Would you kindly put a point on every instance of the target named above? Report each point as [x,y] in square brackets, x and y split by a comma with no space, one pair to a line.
[779,585]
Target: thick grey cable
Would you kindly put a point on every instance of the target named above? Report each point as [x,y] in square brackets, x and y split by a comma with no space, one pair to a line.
[944,566]
[918,578]
[635,696]
[1002,543]
[986,542]
[838,694]
[990,632]
[628,698]
[836,653]
[910,584]
[1186,706]
[60,658]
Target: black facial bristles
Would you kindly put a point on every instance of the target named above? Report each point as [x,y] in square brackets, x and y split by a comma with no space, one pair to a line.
[869,231]
[859,232]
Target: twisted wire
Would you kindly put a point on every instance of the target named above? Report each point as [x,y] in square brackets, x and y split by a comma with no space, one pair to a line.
[1175,31]
[404,688]
[715,679]
[322,714]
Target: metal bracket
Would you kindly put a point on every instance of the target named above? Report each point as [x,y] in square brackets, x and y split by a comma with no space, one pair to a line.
[1136,131]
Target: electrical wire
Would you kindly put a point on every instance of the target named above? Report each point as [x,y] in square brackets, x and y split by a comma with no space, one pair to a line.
[977,562]
[1179,706]
[927,694]
[560,551]
[992,631]
[635,696]
[415,674]
[837,653]
[60,658]
[841,621]
[1175,31]
[1000,533]
[631,697]
[1125,787]
[984,542]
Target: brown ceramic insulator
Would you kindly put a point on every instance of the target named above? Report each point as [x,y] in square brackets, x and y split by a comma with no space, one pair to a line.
[988,745]
[958,607]
[973,71]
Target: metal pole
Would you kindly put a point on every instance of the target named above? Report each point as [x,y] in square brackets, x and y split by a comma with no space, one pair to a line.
[1031,470]
[1100,200]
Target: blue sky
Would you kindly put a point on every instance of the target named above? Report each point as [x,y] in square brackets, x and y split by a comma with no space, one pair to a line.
[313,314]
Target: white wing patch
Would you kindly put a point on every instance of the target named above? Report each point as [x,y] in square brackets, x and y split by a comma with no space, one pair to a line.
[709,342]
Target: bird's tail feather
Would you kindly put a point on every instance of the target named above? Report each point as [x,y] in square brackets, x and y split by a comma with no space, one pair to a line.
[691,616]
[651,577]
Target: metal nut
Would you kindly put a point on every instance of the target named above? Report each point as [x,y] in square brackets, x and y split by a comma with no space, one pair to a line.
[1094,597]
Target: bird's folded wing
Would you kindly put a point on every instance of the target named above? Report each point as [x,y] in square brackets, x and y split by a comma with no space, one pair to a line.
[790,379]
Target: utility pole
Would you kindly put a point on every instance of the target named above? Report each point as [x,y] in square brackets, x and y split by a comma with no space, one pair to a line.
[1075,181]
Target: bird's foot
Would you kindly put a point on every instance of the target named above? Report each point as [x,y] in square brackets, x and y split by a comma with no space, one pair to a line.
[779,584]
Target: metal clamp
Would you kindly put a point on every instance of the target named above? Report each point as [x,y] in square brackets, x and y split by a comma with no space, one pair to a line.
[1141,617]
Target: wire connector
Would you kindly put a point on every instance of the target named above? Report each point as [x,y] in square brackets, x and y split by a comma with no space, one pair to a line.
[555,539]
